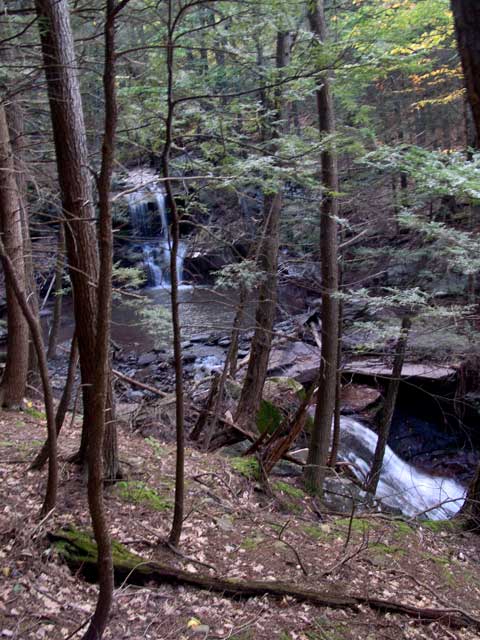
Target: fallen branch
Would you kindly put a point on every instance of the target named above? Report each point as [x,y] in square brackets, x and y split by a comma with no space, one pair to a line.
[141,385]
[79,551]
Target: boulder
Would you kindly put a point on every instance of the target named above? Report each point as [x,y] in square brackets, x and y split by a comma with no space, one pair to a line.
[146,359]
[356,398]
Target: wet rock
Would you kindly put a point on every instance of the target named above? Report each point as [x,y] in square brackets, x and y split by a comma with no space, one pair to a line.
[201,337]
[341,494]
[356,398]
[146,359]
[224,342]
[296,360]
[134,395]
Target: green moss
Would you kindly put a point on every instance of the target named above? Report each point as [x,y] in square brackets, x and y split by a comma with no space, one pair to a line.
[385,549]
[324,629]
[269,417]
[157,448]
[248,467]
[139,492]
[288,489]
[35,413]
[440,525]
[440,560]
[287,506]
[316,532]
[401,528]
[359,525]
[79,546]
[251,543]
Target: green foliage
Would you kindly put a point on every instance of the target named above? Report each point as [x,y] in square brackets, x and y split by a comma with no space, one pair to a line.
[35,413]
[247,467]
[239,275]
[288,489]
[269,417]
[157,448]
[139,492]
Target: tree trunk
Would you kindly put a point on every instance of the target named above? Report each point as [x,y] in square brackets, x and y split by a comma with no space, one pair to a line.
[37,337]
[102,414]
[320,440]
[16,125]
[63,405]
[14,381]
[177,524]
[467,28]
[76,190]
[252,389]
[389,407]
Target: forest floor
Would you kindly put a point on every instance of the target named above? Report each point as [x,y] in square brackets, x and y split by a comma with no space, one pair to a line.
[232,529]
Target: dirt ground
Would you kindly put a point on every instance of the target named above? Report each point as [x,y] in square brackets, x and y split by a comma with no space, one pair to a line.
[232,529]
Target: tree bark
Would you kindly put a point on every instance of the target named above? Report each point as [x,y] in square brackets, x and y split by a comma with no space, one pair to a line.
[16,125]
[252,389]
[102,408]
[14,380]
[76,190]
[63,405]
[389,407]
[37,337]
[320,440]
[177,524]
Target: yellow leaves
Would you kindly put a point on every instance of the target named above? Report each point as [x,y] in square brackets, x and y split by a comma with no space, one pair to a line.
[193,623]
[435,77]
[6,571]
[446,99]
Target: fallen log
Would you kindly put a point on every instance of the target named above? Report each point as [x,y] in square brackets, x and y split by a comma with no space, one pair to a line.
[78,549]
[141,385]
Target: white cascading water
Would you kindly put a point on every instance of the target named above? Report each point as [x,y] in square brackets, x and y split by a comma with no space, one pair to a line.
[401,486]
[155,251]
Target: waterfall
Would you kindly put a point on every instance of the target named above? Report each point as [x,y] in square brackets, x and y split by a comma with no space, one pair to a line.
[401,485]
[149,218]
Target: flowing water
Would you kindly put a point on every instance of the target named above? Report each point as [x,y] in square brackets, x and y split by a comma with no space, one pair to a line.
[401,485]
[149,218]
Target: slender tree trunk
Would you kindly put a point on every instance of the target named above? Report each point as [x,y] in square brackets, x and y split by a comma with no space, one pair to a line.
[63,405]
[76,189]
[320,440]
[389,407]
[102,377]
[57,307]
[37,337]
[16,125]
[177,525]
[252,389]
[14,381]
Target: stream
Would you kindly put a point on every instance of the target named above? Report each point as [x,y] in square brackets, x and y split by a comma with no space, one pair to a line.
[206,317]
[401,485]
